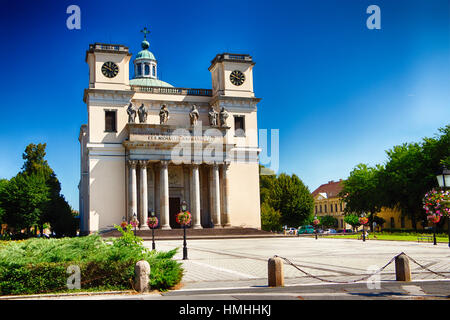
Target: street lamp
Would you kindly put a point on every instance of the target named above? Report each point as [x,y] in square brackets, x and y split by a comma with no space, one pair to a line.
[315,222]
[184,207]
[152,222]
[443,178]
[134,222]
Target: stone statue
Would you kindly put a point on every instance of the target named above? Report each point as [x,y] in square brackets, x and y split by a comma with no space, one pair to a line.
[212,117]
[131,113]
[163,114]
[223,115]
[142,113]
[193,115]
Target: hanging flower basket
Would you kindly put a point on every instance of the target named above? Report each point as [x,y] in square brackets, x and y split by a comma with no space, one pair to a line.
[184,218]
[124,225]
[363,220]
[134,223]
[316,222]
[433,218]
[152,222]
[437,203]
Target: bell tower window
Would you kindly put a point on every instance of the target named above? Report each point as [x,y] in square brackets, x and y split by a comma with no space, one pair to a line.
[147,70]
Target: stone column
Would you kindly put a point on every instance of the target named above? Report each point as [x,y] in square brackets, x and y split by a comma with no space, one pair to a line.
[226,191]
[143,195]
[132,189]
[216,195]
[195,201]
[164,195]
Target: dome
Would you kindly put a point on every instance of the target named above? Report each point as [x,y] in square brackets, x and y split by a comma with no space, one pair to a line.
[145,54]
[149,82]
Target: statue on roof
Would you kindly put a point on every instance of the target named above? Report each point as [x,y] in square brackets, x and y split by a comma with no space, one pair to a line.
[212,114]
[131,110]
[142,113]
[163,114]
[223,115]
[193,115]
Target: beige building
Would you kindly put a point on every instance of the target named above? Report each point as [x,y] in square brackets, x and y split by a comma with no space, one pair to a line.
[149,145]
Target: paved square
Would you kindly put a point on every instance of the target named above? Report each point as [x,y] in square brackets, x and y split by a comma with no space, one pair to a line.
[233,262]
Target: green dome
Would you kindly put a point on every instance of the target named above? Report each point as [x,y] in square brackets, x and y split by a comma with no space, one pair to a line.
[145,54]
[149,82]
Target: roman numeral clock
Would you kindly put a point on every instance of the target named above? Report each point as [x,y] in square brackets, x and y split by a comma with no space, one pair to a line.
[237,78]
[110,69]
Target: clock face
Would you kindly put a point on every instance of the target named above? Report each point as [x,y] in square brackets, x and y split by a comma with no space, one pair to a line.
[237,78]
[110,69]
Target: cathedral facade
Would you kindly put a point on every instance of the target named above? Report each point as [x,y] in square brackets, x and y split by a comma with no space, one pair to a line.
[149,146]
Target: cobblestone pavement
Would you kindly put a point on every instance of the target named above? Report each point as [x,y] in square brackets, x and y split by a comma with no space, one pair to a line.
[225,263]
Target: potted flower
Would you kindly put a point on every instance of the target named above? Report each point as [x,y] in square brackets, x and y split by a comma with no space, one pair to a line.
[152,222]
[184,218]
[363,220]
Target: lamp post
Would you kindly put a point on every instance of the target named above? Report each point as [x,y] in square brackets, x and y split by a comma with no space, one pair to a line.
[184,209]
[443,178]
[363,215]
[135,222]
[152,223]
[315,222]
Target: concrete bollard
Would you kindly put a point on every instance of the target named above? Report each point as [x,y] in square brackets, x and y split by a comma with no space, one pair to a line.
[141,276]
[402,270]
[275,272]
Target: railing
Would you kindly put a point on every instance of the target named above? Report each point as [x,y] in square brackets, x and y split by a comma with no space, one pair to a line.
[171,90]
[109,47]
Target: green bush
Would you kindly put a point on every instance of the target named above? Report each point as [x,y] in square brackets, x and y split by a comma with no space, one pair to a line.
[39,265]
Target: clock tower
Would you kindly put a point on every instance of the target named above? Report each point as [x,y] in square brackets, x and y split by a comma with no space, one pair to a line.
[232,75]
[108,66]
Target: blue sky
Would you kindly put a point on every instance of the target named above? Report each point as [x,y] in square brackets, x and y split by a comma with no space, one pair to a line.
[339,93]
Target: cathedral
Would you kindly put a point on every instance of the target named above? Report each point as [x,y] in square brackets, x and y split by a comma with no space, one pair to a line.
[149,147]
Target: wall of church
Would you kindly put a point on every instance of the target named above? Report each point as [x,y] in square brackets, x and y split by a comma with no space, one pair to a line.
[244,195]
[107,192]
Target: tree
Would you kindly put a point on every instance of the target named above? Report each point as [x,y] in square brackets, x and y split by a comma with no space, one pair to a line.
[292,198]
[23,199]
[353,220]
[328,221]
[270,218]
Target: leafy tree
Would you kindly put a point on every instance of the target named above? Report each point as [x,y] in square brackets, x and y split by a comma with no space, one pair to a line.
[361,190]
[23,199]
[353,220]
[3,184]
[328,221]
[292,198]
[270,218]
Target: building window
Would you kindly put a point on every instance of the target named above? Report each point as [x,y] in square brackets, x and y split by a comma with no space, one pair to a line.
[331,208]
[320,209]
[335,207]
[147,69]
[139,69]
[154,71]
[325,208]
[392,223]
[239,126]
[316,209]
[341,206]
[110,121]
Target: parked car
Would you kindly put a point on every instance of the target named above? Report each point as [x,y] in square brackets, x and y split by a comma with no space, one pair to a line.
[308,229]
[329,231]
[291,231]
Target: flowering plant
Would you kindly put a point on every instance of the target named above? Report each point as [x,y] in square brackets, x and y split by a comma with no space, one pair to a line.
[152,222]
[316,222]
[134,223]
[363,220]
[436,204]
[124,225]
[184,218]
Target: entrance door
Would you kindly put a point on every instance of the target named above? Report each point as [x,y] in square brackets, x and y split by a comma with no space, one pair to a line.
[174,209]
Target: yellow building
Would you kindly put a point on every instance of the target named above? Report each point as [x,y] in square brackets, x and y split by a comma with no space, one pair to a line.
[328,202]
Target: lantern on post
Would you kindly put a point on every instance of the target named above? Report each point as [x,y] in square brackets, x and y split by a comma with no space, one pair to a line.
[152,223]
[184,219]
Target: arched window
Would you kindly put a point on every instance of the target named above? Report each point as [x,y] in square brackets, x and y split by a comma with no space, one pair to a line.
[147,70]
[139,70]
[154,71]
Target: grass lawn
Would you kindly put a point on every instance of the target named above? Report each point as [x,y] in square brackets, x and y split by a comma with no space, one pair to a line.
[396,237]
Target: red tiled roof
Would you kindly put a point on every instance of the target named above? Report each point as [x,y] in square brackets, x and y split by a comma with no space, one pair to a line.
[332,189]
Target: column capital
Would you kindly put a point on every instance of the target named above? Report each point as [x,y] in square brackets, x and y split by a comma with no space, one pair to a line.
[132,163]
[164,163]
[143,163]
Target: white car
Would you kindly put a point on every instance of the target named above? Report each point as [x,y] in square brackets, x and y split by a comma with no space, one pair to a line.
[329,231]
